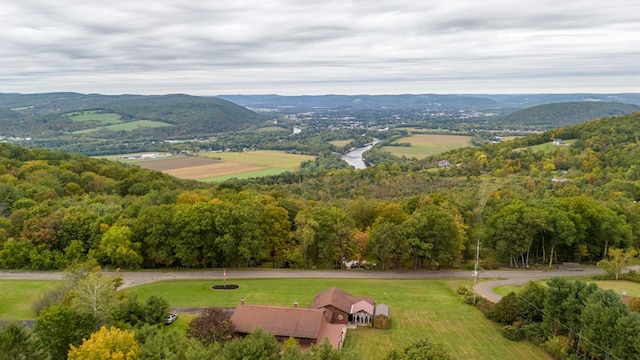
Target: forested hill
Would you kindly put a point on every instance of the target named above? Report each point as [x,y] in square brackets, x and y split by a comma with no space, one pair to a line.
[23,114]
[568,113]
[535,203]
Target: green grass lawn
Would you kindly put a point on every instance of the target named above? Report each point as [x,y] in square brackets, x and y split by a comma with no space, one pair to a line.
[18,296]
[419,308]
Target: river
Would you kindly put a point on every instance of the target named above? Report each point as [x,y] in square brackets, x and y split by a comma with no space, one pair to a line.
[354,157]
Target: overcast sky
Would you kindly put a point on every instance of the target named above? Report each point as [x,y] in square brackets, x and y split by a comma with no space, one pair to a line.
[293,47]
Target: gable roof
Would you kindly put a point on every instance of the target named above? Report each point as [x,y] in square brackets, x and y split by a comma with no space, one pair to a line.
[362,306]
[382,309]
[339,299]
[287,321]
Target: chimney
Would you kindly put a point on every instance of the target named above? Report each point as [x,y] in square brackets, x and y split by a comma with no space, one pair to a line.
[295,304]
[242,301]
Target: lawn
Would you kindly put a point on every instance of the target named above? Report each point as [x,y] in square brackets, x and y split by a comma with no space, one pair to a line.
[423,145]
[18,296]
[419,308]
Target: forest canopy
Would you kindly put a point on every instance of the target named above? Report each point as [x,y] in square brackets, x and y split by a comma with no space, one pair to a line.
[533,206]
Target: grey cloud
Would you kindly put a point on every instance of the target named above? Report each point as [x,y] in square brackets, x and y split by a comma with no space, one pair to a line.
[298,46]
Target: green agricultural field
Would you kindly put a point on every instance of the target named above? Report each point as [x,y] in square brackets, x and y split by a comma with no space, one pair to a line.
[266,158]
[18,296]
[340,143]
[102,118]
[419,308]
[127,126]
[246,175]
[423,145]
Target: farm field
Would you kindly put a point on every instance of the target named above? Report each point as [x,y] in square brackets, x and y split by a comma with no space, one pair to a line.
[100,117]
[340,143]
[127,126]
[423,145]
[419,308]
[220,166]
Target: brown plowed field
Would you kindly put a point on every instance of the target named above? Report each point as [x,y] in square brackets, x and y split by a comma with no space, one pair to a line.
[197,168]
[176,163]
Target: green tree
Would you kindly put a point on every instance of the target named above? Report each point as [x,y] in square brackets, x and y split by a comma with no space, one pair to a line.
[433,235]
[117,248]
[58,327]
[422,349]
[599,317]
[275,230]
[258,345]
[172,344]
[617,261]
[388,243]
[563,305]
[304,236]
[18,343]
[531,302]
[155,230]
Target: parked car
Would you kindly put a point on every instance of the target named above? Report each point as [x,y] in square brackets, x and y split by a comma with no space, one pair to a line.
[171,318]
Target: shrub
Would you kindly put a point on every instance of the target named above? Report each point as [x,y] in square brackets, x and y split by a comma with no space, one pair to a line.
[513,333]
[535,333]
[557,347]
[506,310]
[462,290]
[634,304]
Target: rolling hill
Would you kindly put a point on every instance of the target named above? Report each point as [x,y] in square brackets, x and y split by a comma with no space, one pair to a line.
[184,115]
[567,113]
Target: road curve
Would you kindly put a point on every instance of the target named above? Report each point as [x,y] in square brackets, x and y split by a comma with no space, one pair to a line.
[488,280]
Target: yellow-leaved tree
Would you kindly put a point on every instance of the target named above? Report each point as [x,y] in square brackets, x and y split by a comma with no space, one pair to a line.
[107,344]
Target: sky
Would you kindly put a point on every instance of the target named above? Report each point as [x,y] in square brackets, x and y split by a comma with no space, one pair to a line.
[313,47]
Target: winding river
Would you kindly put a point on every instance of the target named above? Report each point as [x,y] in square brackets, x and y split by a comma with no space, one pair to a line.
[354,157]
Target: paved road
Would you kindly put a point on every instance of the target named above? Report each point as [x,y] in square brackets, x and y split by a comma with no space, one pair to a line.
[488,279]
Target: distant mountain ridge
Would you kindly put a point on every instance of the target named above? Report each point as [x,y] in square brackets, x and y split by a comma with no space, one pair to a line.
[567,113]
[422,101]
[187,114]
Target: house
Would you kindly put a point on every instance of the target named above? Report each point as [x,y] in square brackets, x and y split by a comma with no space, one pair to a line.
[341,304]
[558,142]
[444,163]
[307,326]
[382,318]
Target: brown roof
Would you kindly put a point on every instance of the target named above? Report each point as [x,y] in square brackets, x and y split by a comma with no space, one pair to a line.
[339,299]
[282,321]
